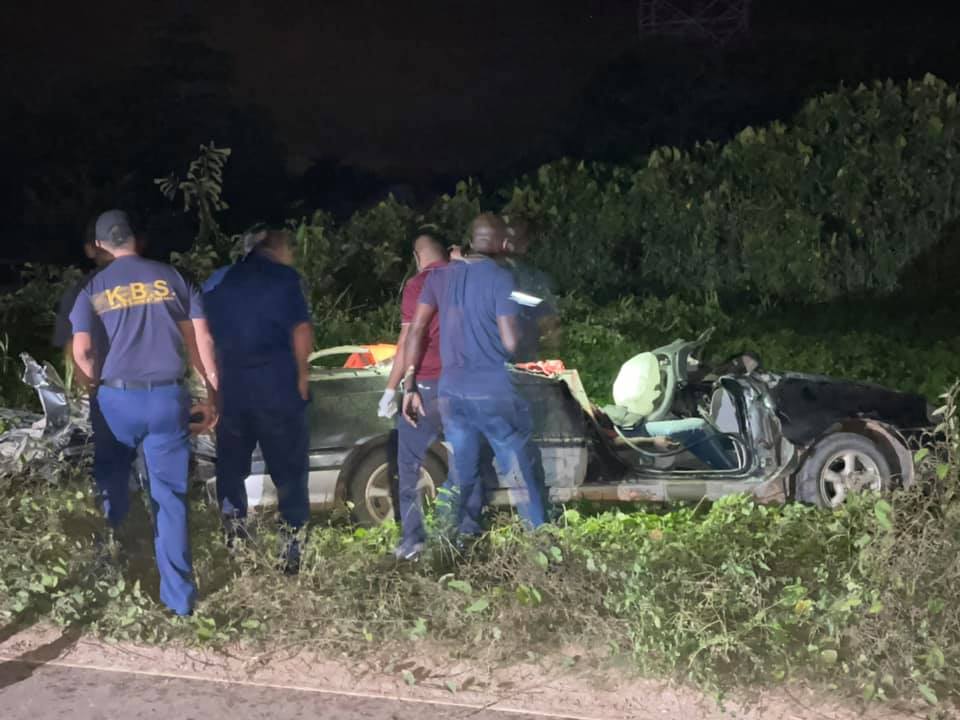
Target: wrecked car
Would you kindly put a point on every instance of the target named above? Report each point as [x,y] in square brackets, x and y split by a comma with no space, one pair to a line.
[785,435]
[43,441]
[776,435]
[61,437]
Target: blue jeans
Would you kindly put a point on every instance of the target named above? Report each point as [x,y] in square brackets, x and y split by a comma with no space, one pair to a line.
[503,418]
[284,438]
[157,419]
[696,435]
[448,494]
[412,445]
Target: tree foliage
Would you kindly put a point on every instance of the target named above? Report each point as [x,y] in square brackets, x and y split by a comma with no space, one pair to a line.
[837,203]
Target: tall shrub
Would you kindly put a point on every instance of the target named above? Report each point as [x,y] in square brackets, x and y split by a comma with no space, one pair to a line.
[837,203]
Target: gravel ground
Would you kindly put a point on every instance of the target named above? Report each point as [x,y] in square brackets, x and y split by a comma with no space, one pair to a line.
[46,673]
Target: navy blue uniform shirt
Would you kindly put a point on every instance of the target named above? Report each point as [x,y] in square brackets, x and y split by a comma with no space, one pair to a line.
[252,308]
[531,281]
[63,328]
[136,304]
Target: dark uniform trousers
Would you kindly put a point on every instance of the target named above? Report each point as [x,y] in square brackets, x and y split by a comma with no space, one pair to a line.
[413,443]
[157,419]
[284,438]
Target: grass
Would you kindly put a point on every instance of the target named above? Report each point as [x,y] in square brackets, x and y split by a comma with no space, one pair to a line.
[724,595]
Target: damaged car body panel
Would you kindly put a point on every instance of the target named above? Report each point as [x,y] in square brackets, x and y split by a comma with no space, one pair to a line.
[582,454]
[785,436]
[41,441]
[64,433]
[809,404]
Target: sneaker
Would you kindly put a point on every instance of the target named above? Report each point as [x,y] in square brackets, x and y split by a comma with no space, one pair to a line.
[408,552]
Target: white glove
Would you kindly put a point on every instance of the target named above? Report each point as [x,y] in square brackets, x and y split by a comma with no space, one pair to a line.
[388,406]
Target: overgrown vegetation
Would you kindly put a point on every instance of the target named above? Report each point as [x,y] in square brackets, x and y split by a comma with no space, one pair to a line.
[840,203]
[789,240]
[732,593]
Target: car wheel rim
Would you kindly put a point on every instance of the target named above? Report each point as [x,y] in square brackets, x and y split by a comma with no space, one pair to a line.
[379,501]
[847,472]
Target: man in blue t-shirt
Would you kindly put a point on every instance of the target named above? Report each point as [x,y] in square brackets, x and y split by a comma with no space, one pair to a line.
[478,334]
[260,321]
[149,319]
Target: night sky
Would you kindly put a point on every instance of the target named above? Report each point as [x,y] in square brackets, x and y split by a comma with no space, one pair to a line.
[435,85]
[418,93]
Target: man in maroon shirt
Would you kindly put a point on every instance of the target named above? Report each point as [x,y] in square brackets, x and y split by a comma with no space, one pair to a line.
[413,441]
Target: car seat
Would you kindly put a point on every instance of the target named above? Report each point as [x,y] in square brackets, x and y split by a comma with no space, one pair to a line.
[723,411]
[636,390]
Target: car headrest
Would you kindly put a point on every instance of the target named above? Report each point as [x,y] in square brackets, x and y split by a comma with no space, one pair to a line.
[637,387]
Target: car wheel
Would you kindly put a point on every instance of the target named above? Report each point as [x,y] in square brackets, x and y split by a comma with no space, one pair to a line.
[841,464]
[369,486]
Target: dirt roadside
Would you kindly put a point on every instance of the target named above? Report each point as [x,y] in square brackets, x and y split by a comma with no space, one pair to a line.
[555,687]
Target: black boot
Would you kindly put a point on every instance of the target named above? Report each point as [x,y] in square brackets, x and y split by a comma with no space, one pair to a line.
[290,554]
[235,532]
[106,555]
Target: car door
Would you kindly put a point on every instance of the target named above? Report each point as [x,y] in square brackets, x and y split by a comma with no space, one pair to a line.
[559,428]
[343,408]
[342,416]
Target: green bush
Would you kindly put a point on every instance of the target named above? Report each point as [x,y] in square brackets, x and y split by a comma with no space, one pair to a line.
[839,202]
[26,325]
[721,595]
[903,346]
[842,202]
[366,259]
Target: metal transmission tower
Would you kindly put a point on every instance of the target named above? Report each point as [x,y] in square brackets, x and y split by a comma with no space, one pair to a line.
[716,21]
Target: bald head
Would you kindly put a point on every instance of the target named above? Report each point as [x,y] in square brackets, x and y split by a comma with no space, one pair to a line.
[427,249]
[488,234]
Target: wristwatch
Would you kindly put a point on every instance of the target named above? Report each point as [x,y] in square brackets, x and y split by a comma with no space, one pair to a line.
[409,380]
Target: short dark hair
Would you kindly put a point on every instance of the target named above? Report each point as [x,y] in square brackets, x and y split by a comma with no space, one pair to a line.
[275,238]
[433,239]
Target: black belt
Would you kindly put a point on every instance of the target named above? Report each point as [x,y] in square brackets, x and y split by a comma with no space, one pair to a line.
[139,384]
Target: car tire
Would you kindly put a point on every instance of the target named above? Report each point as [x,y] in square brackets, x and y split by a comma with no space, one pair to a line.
[368,487]
[839,464]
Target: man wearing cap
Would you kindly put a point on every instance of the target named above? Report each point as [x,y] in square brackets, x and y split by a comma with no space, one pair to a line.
[478,334]
[413,441]
[149,319]
[63,330]
[261,323]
